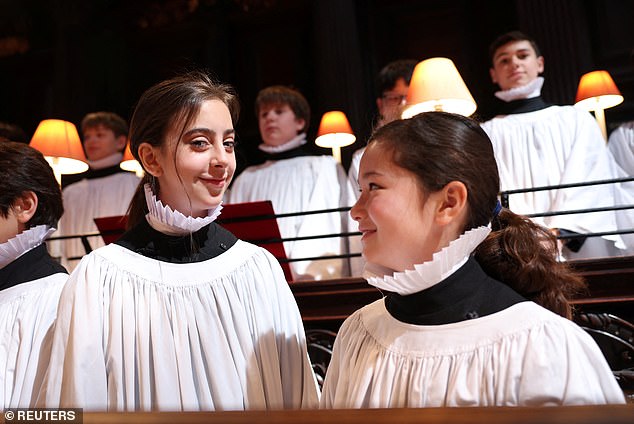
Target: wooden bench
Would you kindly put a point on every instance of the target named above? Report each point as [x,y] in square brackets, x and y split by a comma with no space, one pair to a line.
[325,304]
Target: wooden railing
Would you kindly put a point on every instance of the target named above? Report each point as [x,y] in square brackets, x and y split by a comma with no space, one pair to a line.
[326,304]
[605,414]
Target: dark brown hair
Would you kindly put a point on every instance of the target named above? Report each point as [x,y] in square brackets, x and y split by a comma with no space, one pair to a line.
[441,147]
[171,103]
[392,72]
[509,37]
[282,95]
[23,169]
[110,120]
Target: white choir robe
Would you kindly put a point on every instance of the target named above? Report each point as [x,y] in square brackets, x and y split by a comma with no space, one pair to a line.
[302,184]
[27,312]
[521,356]
[621,145]
[137,334]
[85,200]
[553,146]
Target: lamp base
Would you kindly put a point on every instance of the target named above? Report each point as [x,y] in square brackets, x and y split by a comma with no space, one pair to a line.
[599,115]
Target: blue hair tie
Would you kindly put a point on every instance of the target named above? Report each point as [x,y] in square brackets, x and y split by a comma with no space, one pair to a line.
[498,208]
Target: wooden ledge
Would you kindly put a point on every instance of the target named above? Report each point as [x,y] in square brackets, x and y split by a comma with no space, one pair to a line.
[605,414]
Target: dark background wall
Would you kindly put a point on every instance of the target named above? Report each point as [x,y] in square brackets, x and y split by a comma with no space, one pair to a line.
[63,58]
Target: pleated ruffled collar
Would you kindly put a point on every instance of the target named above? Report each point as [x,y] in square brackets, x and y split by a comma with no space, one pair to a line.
[172,222]
[300,140]
[444,263]
[22,243]
[530,90]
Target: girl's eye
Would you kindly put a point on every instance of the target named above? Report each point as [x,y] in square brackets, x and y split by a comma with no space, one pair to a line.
[229,144]
[199,143]
[372,186]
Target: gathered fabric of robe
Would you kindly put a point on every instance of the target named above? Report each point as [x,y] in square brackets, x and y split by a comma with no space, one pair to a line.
[621,144]
[447,334]
[27,311]
[302,184]
[85,200]
[134,333]
[553,146]
[521,356]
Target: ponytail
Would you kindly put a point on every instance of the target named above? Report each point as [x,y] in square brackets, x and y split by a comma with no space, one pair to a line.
[523,255]
[138,206]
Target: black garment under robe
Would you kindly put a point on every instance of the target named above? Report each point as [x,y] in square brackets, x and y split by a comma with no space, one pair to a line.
[466,294]
[68,179]
[33,265]
[206,243]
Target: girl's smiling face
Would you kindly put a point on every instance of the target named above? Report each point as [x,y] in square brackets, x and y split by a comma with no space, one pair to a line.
[195,179]
[395,216]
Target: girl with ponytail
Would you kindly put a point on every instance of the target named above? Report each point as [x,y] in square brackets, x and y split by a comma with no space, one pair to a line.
[476,308]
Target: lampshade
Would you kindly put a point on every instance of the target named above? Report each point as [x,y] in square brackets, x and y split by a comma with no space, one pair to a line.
[597,91]
[129,163]
[436,85]
[60,144]
[334,132]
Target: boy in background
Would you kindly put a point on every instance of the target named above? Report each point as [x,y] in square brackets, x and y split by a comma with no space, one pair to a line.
[295,180]
[104,190]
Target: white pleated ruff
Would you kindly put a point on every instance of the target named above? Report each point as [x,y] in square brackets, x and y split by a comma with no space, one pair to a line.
[170,221]
[443,263]
[134,333]
[27,311]
[522,356]
[527,156]
[25,241]
[301,184]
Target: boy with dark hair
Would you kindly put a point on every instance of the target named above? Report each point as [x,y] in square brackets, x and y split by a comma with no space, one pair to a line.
[537,145]
[295,180]
[30,280]
[104,190]
[392,84]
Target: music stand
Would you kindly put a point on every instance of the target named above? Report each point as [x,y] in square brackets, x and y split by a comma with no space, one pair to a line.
[253,222]
[111,227]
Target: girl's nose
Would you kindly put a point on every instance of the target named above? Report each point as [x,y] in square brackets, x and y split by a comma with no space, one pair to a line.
[357,211]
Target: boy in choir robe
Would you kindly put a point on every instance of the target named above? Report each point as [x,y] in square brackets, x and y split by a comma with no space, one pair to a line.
[104,190]
[537,144]
[392,83]
[30,280]
[296,180]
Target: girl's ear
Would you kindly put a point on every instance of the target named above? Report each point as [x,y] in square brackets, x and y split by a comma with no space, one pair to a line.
[149,159]
[25,207]
[453,203]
